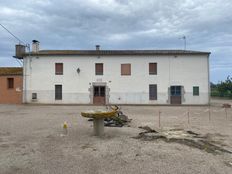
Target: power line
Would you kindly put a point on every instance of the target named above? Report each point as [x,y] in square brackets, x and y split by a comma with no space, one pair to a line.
[12,34]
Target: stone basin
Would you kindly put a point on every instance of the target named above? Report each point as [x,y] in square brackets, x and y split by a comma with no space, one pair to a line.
[98,119]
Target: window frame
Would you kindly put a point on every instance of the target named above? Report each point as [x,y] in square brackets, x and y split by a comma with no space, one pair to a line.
[150,68]
[10,85]
[122,72]
[99,73]
[57,72]
[196,93]
[151,95]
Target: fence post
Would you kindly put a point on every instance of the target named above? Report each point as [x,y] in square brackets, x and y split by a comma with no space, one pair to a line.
[209,114]
[159,119]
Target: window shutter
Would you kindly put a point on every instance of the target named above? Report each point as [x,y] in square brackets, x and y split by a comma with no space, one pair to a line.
[59,68]
[99,68]
[152,68]
[125,69]
[196,90]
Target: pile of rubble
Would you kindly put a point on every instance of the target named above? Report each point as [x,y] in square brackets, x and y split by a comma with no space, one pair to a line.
[181,136]
[226,105]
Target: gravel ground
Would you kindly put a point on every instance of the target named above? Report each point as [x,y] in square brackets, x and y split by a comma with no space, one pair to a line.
[31,141]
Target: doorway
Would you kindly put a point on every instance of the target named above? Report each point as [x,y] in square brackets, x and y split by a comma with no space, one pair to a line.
[99,95]
[175,95]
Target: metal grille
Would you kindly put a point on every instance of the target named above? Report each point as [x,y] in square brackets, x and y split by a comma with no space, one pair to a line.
[153,92]
[58,92]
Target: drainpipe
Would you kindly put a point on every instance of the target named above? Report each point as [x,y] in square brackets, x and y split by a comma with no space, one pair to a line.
[209,90]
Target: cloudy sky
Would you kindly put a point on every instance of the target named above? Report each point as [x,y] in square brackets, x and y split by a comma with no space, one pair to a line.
[121,24]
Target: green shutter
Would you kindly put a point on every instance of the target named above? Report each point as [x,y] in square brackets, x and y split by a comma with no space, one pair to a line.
[196,90]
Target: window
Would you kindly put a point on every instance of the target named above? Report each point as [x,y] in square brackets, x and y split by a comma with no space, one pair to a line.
[152,68]
[99,68]
[58,92]
[59,68]
[34,96]
[99,91]
[175,90]
[126,69]
[153,92]
[196,91]
[10,83]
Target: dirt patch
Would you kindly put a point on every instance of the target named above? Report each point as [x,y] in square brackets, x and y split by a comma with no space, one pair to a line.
[189,138]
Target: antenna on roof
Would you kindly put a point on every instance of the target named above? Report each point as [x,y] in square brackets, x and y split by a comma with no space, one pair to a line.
[184,38]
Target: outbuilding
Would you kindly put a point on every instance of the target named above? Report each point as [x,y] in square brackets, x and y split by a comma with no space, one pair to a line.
[11,85]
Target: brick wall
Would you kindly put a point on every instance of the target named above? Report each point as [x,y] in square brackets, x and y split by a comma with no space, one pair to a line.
[13,95]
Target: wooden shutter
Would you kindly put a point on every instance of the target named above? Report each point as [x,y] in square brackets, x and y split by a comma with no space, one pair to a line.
[99,68]
[10,83]
[153,68]
[58,92]
[126,69]
[59,68]
[153,92]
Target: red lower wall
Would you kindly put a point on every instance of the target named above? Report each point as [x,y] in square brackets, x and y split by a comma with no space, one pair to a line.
[14,95]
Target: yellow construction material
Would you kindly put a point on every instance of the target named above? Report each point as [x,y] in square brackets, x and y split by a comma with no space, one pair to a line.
[98,114]
[65,125]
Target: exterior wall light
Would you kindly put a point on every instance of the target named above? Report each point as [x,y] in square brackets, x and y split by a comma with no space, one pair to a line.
[78,70]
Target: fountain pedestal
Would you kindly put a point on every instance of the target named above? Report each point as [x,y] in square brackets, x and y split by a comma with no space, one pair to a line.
[98,126]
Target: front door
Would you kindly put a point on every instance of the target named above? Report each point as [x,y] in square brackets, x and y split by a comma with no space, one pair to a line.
[175,95]
[99,95]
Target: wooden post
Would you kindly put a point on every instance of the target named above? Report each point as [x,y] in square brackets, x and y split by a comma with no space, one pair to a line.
[226,112]
[188,116]
[209,114]
[159,119]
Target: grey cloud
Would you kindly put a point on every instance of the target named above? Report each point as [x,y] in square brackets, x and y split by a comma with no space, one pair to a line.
[122,24]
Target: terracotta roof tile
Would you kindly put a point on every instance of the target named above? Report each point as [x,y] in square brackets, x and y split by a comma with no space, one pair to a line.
[11,71]
[115,52]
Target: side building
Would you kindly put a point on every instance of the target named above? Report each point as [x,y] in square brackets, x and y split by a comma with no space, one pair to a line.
[11,85]
[116,76]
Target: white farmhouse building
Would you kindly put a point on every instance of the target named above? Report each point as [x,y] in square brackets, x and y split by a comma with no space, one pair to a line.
[115,76]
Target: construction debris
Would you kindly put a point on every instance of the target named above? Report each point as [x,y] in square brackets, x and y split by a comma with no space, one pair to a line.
[226,105]
[181,136]
[118,121]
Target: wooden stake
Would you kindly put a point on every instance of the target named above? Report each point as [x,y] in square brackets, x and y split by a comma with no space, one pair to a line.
[159,119]
[209,114]
[188,116]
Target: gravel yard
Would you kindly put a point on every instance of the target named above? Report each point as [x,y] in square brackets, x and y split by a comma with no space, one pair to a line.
[32,141]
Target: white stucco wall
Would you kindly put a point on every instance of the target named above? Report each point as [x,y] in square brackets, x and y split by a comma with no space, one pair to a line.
[187,71]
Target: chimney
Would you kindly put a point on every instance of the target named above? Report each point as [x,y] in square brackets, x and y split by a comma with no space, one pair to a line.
[97,47]
[35,46]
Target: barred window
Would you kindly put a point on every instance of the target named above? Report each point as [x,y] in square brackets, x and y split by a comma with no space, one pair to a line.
[58,92]
[153,92]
